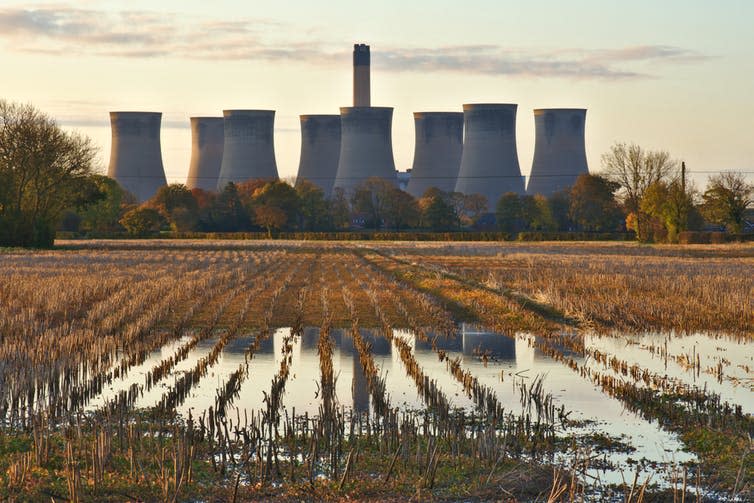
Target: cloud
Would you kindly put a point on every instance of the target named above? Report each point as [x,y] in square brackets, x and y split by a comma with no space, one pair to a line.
[61,30]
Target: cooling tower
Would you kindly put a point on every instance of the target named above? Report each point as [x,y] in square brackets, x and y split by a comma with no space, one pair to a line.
[489,163]
[207,137]
[248,149]
[366,146]
[559,150]
[320,150]
[437,152]
[135,155]
[361,77]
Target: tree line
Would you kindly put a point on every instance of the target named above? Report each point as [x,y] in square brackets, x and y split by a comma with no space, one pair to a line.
[48,183]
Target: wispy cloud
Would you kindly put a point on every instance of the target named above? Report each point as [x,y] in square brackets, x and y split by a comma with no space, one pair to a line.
[143,35]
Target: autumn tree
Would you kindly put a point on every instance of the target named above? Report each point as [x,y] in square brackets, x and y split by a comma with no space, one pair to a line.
[274,194]
[437,211]
[44,171]
[177,204]
[468,207]
[312,207]
[672,208]
[339,210]
[508,212]
[635,169]
[270,217]
[142,221]
[726,200]
[592,205]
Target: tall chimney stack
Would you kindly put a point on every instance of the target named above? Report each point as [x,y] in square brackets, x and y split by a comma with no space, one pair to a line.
[361,92]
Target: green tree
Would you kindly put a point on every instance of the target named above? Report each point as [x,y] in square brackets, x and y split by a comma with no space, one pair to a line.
[371,199]
[103,216]
[437,211]
[536,214]
[593,206]
[634,170]
[312,207]
[44,171]
[671,206]
[508,213]
[726,200]
[560,203]
[339,210]
[401,210]
[177,204]
[142,221]
[228,213]
[277,194]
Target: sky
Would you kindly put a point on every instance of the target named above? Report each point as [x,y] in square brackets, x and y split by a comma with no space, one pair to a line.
[672,75]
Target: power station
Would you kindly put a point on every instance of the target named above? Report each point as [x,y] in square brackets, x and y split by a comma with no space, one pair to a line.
[135,154]
[320,151]
[489,164]
[559,150]
[473,152]
[366,137]
[207,137]
[248,149]
[437,151]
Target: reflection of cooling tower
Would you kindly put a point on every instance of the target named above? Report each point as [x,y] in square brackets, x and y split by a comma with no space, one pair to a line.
[452,343]
[380,344]
[437,153]
[309,339]
[359,386]
[489,163]
[559,151]
[498,345]
[266,346]
[135,155]
[248,150]
[366,146]
[320,150]
[207,137]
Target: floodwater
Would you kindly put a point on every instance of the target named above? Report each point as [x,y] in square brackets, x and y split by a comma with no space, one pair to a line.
[508,363]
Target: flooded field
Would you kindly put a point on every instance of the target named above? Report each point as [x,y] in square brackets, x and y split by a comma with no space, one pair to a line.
[276,366]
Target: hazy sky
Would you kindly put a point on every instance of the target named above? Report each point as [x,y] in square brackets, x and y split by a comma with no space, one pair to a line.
[673,74]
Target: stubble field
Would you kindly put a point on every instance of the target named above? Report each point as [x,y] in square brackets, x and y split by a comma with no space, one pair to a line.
[218,371]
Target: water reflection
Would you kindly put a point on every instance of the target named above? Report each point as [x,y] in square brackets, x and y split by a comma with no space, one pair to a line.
[481,343]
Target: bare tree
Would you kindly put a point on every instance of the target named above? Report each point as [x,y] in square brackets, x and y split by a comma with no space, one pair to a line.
[635,170]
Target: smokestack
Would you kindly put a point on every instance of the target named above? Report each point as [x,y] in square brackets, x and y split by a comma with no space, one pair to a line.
[559,150]
[437,152]
[320,150]
[248,149]
[366,146]
[361,91]
[489,163]
[207,137]
[136,155]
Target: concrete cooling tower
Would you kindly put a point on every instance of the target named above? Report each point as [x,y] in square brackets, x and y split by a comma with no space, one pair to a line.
[207,137]
[437,152]
[489,163]
[320,150]
[366,146]
[248,149]
[135,155]
[559,150]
